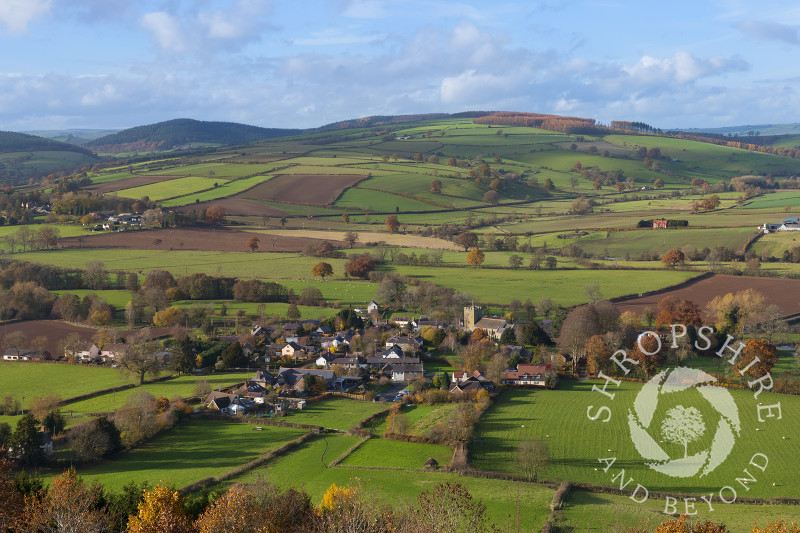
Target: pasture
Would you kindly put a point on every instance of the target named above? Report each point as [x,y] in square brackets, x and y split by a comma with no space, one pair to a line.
[559,418]
[170,188]
[306,468]
[193,450]
[334,413]
[387,453]
[224,190]
[420,417]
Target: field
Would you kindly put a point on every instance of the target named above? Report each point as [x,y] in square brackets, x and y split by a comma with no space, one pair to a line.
[67,381]
[335,413]
[565,287]
[559,418]
[122,182]
[182,386]
[169,189]
[305,468]
[186,239]
[420,417]
[303,188]
[780,292]
[387,453]
[237,207]
[192,451]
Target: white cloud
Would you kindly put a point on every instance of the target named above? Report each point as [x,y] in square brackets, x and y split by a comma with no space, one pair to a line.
[165,30]
[770,31]
[16,14]
[681,68]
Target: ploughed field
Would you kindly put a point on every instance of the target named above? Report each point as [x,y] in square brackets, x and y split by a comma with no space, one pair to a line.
[313,189]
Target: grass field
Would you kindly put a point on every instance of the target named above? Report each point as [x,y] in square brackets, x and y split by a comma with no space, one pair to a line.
[224,190]
[387,453]
[182,386]
[420,417]
[635,243]
[592,511]
[194,450]
[562,286]
[306,468]
[40,379]
[775,244]
[169,188]
[335,413]
[559,418]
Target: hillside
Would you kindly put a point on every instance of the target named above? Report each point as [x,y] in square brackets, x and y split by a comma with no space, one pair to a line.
[73,136]
[25,156]
[179,132]
[22,142]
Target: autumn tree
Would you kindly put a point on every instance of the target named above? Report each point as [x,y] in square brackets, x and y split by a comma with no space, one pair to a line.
[647,354]
[418,157]
[598,354]
[351,237]
[491,197]
[711,203]
[68,505]
[467,240]
[360,267]
[139,359]
[735,312]
[436,187]
[161,511]
[215,215]
[449,507]
[674,310]
[322,270]
[475,257]
[673,258]
[658,183]
[252,243]
[392,224]
[758,358]
[166,318]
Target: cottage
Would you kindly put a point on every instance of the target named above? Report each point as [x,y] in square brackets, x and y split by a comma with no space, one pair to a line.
[263,378]
[219,400]
[660,223]
[529,375]
[472,384]
[293,377]
[407,344]
[291,349]
[373,307]
[406,372]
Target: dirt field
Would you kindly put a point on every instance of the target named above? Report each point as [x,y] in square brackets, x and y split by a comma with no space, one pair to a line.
[235,206]
[128,183]
[780,292]
[56,331]
[205,239]
[309,189]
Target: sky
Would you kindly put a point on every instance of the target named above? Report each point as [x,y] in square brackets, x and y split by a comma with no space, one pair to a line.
[306,63]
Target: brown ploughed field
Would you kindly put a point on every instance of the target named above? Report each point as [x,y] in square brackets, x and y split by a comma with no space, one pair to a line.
[308,189]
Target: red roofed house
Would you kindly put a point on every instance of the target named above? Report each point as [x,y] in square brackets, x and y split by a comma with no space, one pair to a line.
[527,374]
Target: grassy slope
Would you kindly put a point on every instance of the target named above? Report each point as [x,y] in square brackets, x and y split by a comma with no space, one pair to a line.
[335,413]
[396,454]
[576,443]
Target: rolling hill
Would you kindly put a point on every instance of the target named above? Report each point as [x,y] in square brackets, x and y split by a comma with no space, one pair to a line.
[25,156]
[181,132]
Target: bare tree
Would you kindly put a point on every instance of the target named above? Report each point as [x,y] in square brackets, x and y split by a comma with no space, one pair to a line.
[533,457]
[139,360]
[15,340]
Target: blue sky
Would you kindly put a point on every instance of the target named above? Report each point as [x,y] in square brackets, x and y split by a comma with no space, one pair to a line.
[305,63]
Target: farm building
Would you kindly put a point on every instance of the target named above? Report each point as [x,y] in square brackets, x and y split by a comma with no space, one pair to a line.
[660,223]
[790,224]
[528,375]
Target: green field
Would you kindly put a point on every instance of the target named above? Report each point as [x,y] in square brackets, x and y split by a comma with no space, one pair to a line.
[421,417]
[385,453]
[565,287]
[67,381]
[182,386]
[559,418]
[169,188]
[334,413]
[593,511]
[306,468]
[194,450]
[224,190]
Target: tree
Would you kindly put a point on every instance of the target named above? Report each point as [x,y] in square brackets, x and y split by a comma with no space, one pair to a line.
[682,426]
[579,325]
[322,270]
[293,313]
[674,310]
[16,340]
[436,187]
[392,224]
[161,511]
[659,183]
[673,258]
[491,197]
[252,243]
[759,349]
[475,257]
[360,267]
[710,203]
[351,237]
[515,261]
[166,318]
[449,507]
[215,215]
[345,218]
[508,336]
[598,354]
[27,440]
[90,442]
[467,240]
[139,358]
[68,505]
[533,457]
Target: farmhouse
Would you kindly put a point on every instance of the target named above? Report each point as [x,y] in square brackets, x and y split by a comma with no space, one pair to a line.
[472,384]
[660,223]
[790,224]
[26,355]
[529,375]
[407,344]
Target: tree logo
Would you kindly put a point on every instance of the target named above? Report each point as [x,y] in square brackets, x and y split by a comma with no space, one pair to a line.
[683,425]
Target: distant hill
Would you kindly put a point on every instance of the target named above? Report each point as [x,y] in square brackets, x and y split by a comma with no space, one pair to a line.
[183,131]
[11,141]
[81,137]
[751,130]
[385,120]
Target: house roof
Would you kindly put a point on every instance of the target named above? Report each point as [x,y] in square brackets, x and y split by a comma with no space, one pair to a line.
[404,339]
[490,323]
[407,367]
[345,361]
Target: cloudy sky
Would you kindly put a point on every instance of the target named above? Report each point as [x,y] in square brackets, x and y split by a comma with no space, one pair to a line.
[305,63]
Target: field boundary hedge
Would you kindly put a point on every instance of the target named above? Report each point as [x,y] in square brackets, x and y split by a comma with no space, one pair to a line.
[680,285]
[350,450]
